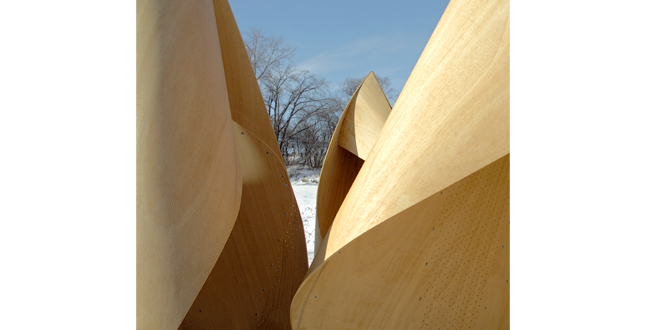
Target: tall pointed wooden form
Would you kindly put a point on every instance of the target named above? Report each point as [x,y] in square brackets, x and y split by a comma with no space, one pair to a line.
[188,178]
[353,139]
[220,242]
[265,258]
[422,237]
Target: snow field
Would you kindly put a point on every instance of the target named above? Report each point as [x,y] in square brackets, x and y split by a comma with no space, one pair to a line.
[306,198]
[305,187]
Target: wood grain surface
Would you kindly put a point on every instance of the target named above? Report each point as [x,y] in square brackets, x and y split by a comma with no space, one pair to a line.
[447,134]
[353,138]
[265,258]
[245,98]
[451,119]
[365,118]
[220,242]
[188,179]
[440,264]
[338,172]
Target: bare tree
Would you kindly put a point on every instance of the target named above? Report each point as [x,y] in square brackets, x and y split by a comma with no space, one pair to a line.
[302,108]
[349,85]
[266,52]
[293,98]
[296,99]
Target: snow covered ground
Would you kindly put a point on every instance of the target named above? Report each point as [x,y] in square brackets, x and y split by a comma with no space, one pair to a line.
[305,186]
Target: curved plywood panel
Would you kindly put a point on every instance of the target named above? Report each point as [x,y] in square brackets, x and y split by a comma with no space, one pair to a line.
[338,172]
[265,258]
[451,119]
[400,254]
[353,138]
[188,180]
[440,264]
[364,123]
[247,105]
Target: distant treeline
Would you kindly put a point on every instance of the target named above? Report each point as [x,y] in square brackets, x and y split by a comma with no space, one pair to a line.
[303,108]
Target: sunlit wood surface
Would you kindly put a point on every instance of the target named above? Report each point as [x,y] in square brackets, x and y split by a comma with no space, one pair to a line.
[265,258]
[188,180]
[365,118]
[245,98]
[220,242]
[440,264]
[448,132]
[353,138]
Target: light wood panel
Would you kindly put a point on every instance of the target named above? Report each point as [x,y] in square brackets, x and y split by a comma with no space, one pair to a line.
[338,172]
[353,138]
[188,179]
[365,119]
[247,105]
[440,264]
[433,189]
[451,119]
[265,258]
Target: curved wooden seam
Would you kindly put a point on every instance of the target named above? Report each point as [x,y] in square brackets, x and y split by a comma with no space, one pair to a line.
[317,266]
[317,262]
[256,228]
[189,181]
[454,115]
[245,97]
[353,139]
[316,272]
[272,152]
[362,125]
[333,144]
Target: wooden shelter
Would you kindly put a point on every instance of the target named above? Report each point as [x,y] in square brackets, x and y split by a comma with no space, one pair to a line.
[220,242]
[422,236]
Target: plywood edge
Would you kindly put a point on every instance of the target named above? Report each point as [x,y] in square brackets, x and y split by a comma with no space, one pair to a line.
[245,97]
[452,118]
[385,268]
[365,118]
[341,165]
[333,184]
[187,201]
[265,257]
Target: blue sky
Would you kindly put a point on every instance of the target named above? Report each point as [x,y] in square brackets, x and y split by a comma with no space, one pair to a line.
[340,39]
